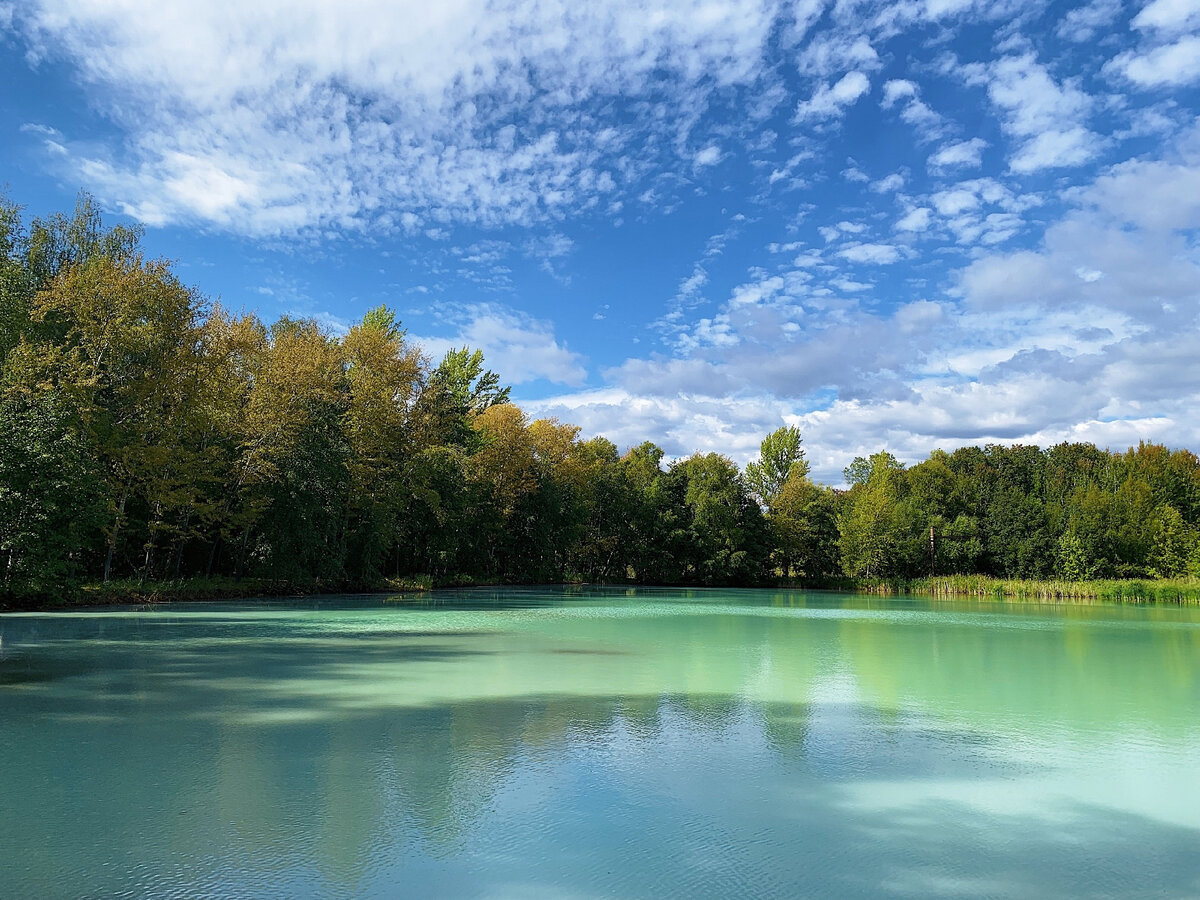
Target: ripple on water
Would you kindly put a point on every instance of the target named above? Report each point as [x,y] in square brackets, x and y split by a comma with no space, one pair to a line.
[699,744]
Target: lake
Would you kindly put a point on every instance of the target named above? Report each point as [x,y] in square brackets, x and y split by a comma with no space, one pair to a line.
[587,742]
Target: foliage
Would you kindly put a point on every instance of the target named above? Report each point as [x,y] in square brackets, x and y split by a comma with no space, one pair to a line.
[150,437]
[780,458]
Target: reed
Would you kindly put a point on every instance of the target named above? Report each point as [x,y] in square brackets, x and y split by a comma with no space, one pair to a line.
[1182,591]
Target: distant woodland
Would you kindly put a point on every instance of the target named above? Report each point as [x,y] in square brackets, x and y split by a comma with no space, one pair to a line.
[146,432]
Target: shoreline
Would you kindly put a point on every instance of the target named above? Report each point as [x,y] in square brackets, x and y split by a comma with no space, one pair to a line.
[1170,592]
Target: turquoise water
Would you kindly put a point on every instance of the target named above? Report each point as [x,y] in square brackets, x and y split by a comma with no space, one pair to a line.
[601,743]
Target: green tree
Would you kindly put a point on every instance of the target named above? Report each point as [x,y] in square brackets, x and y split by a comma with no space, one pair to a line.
[728,533]
[1172,543]
[122,337]
[458,389]
[293,455]
[383,375]
[803,522]
[52,498]
[780,457]
[871,528]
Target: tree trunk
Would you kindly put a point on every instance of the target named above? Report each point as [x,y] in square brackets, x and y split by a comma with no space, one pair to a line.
[212,555]
[112,538]
[187,519]
[151,541]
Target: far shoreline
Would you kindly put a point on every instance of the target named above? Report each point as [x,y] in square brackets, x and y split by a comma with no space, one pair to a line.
[1173,592]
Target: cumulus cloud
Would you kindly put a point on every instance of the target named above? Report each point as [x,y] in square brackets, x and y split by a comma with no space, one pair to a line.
[878,254]
[888,184]
[1168,15]
[515,344]
[1045,116]
[1086,336]
[709,156]
[1172,64]
[905,95]
[958,155]
[917,219]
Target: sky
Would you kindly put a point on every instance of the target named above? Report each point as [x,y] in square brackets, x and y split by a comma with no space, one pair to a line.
[907,225]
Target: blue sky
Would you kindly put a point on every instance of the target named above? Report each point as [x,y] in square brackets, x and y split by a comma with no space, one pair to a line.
[901,225]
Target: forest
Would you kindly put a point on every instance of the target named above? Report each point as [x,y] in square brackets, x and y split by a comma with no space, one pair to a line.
[146,432]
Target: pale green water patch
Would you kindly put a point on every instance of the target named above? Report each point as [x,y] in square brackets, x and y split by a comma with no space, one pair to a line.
[602,743]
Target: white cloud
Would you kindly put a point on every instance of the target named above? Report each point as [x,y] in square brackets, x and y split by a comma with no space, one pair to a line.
[958,200]
[709,156]
[275,116]
[889,184]
[1169,15]
[1084,22]
[681,423]
[914,111]
[836,51]
[1171,65]
[690,287]
[1046,117]
[1089,335]
[1157,195]
[830,101]
[897,89]
[878,254]
[961,154]
[1055,149]
[518,346]
[917,219]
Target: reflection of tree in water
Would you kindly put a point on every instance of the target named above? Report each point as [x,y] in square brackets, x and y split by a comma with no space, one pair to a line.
[1041,671]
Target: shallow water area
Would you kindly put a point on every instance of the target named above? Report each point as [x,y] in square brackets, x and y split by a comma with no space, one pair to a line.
[601,743]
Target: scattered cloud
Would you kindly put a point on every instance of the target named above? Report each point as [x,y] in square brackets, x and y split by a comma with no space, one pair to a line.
[709,156]
[269,118]
[917,219]
[869,220]
[1086,22]
[829,101]
[877,254]
[1169,15]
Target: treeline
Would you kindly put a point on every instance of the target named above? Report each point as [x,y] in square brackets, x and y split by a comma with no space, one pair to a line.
[148,433]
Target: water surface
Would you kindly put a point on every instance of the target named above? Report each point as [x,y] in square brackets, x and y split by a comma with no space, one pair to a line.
[601,743]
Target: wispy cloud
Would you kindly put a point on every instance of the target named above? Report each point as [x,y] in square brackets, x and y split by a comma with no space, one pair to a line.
[272,117]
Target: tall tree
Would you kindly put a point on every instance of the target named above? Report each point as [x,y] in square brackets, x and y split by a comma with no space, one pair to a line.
[383,375]
[872,527]
[127,338]
[780,457]
[803,520]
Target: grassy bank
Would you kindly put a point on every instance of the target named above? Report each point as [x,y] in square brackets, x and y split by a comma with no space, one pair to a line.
[1184,591]
[134,591]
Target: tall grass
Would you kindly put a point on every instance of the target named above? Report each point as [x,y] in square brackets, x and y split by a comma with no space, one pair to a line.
[1184,591]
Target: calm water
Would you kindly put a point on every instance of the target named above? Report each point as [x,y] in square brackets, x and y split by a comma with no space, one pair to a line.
[547,743]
